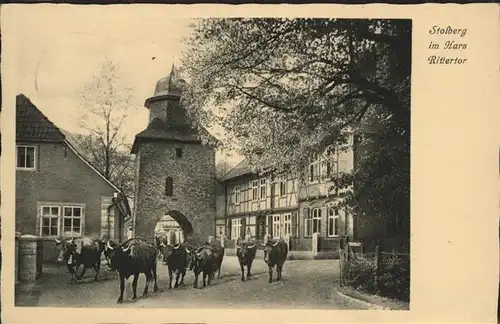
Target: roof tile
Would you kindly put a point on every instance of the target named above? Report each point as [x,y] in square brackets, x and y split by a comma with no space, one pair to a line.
[32,125]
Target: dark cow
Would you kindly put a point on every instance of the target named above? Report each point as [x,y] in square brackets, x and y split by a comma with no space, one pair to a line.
[218,252]
[275,253]
[246,254]
[202,260]
[176,257]
[80,251]
[132,257]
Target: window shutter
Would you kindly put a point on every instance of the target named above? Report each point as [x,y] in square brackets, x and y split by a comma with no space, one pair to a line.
[320,220]
[229,228]
[270,225]
[307,223]
[295,225]
[243,228]
[341,221]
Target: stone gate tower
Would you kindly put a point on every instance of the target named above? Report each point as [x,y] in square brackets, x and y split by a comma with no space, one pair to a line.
[175,170]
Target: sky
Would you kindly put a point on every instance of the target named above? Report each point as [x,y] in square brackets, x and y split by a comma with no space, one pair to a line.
[59,48]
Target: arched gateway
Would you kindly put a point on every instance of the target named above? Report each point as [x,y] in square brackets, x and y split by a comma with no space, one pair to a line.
[175,171]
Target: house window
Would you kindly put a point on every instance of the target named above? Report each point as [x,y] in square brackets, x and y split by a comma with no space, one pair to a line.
[72,221]
[49,216]
[255,184]
[333,222]
[25,157]
[287,224]
[262,188]
[221,231]
[316,220]
[314,169]
[243,228]
[235,228]
[276,226]
[307,222]
[260,230]
[178,152]
[269,225]
[282,181]
[331,163]
[169,187]
[237,194]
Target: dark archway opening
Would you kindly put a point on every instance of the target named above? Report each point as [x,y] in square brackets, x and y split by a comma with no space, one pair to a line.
[175,227]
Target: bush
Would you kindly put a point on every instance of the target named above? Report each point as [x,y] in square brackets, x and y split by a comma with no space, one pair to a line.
[393,281]
[359,274]
[394,278]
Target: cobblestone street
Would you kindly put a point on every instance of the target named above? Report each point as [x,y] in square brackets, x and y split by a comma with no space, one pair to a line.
[306,284]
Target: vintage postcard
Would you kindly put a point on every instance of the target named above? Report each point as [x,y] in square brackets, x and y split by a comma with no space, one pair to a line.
[254,163]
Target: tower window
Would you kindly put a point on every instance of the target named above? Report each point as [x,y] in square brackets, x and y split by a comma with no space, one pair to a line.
[178,152]
[169,187]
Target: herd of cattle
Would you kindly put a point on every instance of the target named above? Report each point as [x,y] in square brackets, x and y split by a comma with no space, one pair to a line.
[136,256]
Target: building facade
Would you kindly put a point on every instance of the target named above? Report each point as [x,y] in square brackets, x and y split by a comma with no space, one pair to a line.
[58,193]
[175,170]
[285,206]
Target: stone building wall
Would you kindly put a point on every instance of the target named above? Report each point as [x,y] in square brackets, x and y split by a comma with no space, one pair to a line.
[194,187]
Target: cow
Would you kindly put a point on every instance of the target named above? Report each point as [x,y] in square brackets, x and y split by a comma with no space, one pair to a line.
[202,260]
[275,253]
[80,251]
[246,254]
[218,252]
[132,257]
[176,258]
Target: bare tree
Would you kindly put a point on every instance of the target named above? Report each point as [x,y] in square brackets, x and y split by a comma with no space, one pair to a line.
[104,102]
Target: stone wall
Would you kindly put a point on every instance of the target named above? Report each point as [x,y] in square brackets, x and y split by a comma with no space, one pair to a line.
[193,187]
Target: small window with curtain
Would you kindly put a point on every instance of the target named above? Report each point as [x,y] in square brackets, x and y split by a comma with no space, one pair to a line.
[26,157]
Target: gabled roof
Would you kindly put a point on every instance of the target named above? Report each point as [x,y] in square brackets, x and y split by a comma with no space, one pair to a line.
[32,125]
[239,170]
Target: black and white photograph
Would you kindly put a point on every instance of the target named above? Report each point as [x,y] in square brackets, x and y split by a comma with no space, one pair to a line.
[211,162]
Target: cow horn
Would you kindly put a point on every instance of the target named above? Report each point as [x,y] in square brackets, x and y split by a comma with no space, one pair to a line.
[126,249]
[108,246]
[251,246]
[57,241]
[187,250]
[276,243]
[72,240]
[162,244]
[239,247]
[262,244]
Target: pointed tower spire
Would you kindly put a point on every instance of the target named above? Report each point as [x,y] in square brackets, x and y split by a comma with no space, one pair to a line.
[172,76]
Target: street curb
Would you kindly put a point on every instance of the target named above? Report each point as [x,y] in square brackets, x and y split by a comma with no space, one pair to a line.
[369,305]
